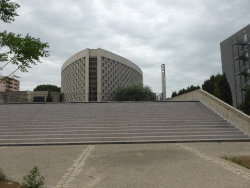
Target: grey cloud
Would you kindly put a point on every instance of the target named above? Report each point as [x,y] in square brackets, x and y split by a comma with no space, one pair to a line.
[185,35]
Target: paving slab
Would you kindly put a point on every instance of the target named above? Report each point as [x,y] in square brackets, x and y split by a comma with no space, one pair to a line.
[161,165]
[130,165]
[52,161]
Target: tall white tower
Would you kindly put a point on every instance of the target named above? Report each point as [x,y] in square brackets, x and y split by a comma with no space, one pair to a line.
[163,80]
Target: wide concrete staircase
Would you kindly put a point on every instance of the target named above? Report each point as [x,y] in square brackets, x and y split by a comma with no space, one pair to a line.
[124,122]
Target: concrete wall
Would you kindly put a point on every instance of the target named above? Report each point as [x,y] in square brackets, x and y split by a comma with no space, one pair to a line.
[13,96]
[26,96]
[32,94]
[113,75]
[230,113]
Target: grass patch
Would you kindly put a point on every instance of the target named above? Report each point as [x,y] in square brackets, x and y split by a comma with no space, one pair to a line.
[242,161]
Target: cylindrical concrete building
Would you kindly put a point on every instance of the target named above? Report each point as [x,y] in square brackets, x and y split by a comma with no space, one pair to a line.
[95,74]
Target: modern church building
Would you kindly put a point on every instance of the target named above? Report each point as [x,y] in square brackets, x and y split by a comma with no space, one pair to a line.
[235,57]
[95,74]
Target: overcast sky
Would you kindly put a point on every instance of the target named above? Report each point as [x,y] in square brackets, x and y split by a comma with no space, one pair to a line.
[184,35]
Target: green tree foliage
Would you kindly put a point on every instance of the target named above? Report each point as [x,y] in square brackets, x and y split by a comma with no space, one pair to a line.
[8,10]
[174,94]
[219,87]
[208,85]
[47,87]
[22,51]
[240,106]
[246,103]
[225,91]
[217,90]
[134,92]
[49,97]
[183,91]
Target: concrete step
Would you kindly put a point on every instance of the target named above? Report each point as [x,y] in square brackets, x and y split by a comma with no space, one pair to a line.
[98,119]
[112,126]
[142,131]
[55,135]
[121,122]
[79,123]
[131,128]
[96,140]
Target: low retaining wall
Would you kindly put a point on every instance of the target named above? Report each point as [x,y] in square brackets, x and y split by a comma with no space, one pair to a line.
[27,96]
[235,116]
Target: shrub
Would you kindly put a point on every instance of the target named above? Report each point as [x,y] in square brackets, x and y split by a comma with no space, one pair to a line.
[134,92]
[49,97]
[2,176]
[33,179]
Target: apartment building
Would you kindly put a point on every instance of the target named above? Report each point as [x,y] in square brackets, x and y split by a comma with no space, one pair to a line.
[10,84]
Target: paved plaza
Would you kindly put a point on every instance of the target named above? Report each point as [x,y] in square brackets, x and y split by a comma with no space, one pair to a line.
[130,165]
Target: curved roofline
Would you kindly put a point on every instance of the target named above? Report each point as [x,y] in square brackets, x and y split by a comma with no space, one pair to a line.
[102,53]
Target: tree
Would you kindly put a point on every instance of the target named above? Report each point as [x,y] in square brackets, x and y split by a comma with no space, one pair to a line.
[183,91]
[8,10]
[217,90]
[134,92]
[49,97]
[208,85]
[22,51]
[246,102]
[47,87]
[225,91]
[174,94]
[219,87]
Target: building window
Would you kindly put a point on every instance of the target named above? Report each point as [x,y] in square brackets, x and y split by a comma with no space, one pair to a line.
[38,99]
